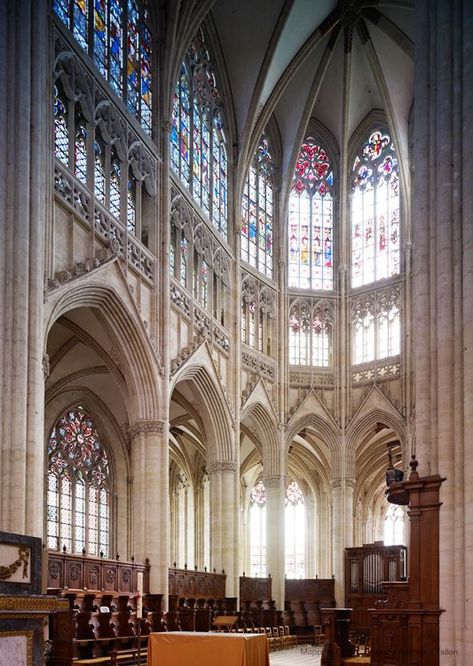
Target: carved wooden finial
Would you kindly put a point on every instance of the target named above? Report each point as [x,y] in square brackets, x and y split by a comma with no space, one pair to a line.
[413,476]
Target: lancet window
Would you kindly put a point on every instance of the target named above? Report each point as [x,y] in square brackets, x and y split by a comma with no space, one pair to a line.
[78,486]
[257,520]
[295,520]
[198,140]
[311,221]
[375,210]
[257,211]
[117,37]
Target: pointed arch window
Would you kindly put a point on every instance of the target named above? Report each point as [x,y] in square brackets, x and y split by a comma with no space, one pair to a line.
[311,220]
[258,530]
[257,211]
[295,520]
[78,486]
[375,210]
[116,35]
[198,142]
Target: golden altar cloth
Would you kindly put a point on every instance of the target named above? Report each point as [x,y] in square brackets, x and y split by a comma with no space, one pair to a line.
[195,648]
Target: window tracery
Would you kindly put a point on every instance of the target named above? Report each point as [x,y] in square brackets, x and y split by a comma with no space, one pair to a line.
[116,35]
[197,262]
[257,211]
[375,210]
[310,262]
[258,310]
[80,130]
[78,486]
[310,333]
[198,142]
[376,326]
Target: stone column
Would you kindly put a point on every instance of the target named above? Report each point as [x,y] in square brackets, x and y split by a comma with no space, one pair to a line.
[443,298]
[25,114]
[150,499]
[275,536]
[338,539]
[224,504]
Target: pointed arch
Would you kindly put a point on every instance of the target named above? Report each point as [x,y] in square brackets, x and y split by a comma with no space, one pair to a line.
[211,404]
[137,358]
[263,424]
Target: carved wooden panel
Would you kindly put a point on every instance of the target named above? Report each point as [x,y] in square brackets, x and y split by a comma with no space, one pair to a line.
[76,572]
[321,590]
[196,584]
[255,589]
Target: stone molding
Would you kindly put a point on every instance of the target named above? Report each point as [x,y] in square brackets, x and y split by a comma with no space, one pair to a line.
[221,466]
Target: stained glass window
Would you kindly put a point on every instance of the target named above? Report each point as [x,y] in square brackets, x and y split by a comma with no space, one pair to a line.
[61,131]
[258,530]
[375,210]
[257,211]
[78,486]
[198,143]
[311,220]
[295,531]
[116,35]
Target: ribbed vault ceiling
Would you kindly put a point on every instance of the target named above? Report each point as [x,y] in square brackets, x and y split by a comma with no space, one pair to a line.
[331,60]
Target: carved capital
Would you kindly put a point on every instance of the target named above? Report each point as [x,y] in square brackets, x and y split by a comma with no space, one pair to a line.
[143,427]
[350,483]
[221,466]
[272,481]
[335,484]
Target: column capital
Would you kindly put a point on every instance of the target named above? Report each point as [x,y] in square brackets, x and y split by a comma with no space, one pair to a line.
[146,427]
[336,484]
[273,481]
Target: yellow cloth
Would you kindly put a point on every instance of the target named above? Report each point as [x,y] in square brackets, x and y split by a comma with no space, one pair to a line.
[182,648]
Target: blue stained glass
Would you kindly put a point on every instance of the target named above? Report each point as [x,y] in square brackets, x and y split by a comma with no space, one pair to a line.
[80,12]
[199,134]
[257,227]
[61,9]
